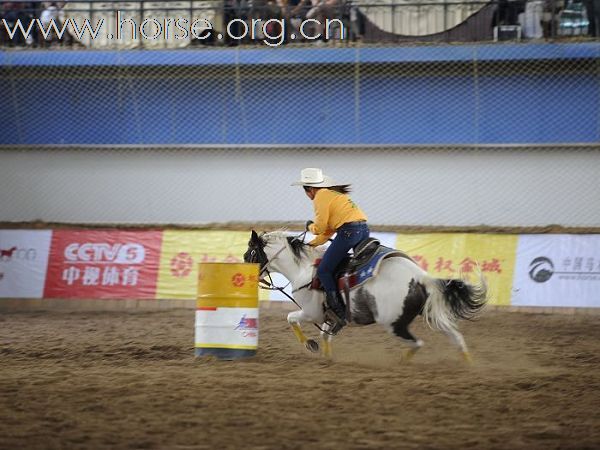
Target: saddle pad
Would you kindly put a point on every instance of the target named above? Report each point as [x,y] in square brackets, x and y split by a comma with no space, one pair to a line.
[368,270]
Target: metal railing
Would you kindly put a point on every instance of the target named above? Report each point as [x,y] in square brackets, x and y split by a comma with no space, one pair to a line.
[152,24]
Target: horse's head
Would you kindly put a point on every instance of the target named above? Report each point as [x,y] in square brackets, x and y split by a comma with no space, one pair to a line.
[256,251]
[267,247]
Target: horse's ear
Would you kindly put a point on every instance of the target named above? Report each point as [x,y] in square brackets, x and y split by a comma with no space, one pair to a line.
[254,236]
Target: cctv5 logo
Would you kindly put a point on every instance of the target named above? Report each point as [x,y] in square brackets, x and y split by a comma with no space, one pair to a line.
[98,253]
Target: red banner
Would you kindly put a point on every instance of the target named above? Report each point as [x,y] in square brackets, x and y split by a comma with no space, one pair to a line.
[103,264]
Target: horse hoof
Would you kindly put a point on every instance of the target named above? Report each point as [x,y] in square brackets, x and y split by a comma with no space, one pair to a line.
[409,354]
[312,345]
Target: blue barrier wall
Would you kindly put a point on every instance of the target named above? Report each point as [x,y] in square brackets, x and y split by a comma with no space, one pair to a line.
[489,94]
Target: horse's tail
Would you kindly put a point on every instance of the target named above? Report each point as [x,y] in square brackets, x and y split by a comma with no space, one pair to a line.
[453,299]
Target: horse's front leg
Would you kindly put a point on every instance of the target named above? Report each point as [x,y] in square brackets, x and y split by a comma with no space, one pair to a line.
[294,319]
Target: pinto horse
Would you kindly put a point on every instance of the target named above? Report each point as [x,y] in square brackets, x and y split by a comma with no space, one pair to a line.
[399,292]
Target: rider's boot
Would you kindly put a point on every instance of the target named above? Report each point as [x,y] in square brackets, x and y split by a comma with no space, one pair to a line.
[336,312]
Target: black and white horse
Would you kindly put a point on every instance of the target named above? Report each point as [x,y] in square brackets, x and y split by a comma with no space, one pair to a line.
[400,291]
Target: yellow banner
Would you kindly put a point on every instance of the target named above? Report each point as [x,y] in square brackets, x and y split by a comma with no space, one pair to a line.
[446,255]
[182,251]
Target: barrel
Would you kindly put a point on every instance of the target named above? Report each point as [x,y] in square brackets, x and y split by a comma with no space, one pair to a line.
[227,310]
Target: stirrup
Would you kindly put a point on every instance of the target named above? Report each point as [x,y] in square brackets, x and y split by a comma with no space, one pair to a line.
[335,322]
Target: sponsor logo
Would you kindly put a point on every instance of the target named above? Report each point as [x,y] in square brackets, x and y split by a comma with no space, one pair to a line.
[181,265]
[238,280]
[88,255]
[7,253]
[541,269]
[103,264]
[105,253]
[95,276]
[248,326]
[467,265]
[579,268]
[14,252]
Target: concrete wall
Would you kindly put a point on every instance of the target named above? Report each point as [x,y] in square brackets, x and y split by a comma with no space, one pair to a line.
[409,186]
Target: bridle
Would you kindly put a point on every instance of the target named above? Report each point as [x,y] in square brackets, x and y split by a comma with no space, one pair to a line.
[257,255]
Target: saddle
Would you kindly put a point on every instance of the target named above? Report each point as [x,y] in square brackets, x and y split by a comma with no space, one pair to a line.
[356,269]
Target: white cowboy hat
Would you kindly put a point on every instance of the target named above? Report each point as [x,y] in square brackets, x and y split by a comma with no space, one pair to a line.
[314,178]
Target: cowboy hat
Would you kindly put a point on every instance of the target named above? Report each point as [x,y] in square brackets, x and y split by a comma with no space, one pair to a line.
[314,178]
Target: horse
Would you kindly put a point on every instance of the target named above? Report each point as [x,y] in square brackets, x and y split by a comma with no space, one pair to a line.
[399,292]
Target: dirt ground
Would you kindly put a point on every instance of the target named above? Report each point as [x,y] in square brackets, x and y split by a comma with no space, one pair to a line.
[129,380]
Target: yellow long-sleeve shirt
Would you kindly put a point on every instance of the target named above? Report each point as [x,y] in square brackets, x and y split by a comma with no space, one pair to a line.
[332,210]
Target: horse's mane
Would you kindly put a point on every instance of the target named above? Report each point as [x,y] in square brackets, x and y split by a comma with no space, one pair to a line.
[299,249]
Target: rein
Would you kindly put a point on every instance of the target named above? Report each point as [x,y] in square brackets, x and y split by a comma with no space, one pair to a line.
[269,286]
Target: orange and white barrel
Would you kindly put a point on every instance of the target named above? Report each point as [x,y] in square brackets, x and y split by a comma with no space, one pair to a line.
[227,310]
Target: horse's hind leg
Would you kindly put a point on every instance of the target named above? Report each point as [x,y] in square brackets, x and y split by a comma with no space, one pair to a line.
[400,328]
[457,338]
[413,304]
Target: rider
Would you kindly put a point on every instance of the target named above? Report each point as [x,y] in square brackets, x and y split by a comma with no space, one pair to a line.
[335,212]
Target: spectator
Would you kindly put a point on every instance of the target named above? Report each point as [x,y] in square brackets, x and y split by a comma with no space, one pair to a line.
[297,9]
[295,13]
[508,11]
[531,19]
[12,12]
[273,9]
[232,10]
[357,23]
[550,17]
[596,18]
[68,38]
[322,10]
[9,15]
[592,8]
[49,14]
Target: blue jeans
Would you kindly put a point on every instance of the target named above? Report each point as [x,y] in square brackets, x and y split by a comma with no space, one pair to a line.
[347,237]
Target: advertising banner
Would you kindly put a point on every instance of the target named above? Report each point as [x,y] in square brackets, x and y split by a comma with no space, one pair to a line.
[103,264]
[182,251]
[561,270]
[23,262]
[447,255]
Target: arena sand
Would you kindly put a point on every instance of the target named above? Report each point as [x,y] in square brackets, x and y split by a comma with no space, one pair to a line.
[129,380]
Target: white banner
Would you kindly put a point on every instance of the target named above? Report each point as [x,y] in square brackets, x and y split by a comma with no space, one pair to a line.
[23,262]
[557,270]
